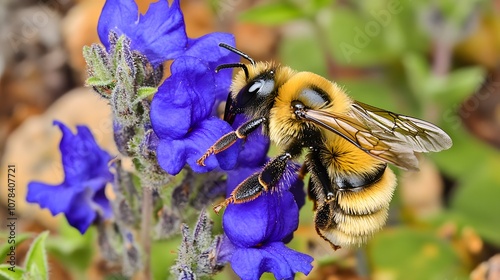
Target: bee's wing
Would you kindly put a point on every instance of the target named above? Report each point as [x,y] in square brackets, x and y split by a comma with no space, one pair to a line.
[385,135]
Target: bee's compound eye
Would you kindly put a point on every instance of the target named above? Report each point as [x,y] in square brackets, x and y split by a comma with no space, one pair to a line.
[261,87]
[255,87]
[313,97]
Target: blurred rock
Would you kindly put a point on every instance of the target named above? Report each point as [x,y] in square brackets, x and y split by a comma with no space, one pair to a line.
[473,242]
[489,270]
[198,17]
[260,42]
[34,147]
[480,113]
[79,28]
[422,191]
[34,71]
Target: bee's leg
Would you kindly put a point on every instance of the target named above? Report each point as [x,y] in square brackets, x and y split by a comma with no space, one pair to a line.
[229,139]
[323,218]
[274,170]
[320,175]
[254,185]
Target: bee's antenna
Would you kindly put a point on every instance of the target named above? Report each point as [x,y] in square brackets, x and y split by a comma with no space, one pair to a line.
[233,65]
[238,52]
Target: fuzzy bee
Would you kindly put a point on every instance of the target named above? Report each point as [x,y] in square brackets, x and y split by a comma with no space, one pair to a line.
[348,145]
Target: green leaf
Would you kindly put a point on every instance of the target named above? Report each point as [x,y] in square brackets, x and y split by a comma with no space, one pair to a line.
[71,248]
[311,9]
[417,72]
[476,199]
[272,14]
[449,90]
[314,61]
[351,44]
[20,238]
[459,85]
[7,273]
[163,256]
[96,81]
[36,258]
[145,92]
[466,152]
[375,92]
[408,253]
[374,32]
[318,4]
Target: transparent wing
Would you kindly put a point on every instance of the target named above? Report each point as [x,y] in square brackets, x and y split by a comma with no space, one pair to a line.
[385,135]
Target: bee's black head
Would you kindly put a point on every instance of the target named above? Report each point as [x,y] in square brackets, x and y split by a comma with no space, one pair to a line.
[234,107]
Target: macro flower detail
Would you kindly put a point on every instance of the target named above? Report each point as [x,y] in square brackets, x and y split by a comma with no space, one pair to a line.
[255,232]
[159,34]
[207,48]
[81,196]
[183,107]
[181,117]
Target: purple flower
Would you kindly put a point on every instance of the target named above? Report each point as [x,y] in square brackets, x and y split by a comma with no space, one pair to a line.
[159,34]
[181,117]
[182,109]
[256,231]
[81,195]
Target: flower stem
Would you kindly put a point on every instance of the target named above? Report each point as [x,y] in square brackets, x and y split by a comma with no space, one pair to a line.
[147,202]
[441,58]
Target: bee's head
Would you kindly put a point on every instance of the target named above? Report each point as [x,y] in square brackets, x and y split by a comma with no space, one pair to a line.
[251,90]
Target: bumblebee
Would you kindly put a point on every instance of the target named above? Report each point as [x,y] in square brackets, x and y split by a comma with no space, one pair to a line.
[348,145]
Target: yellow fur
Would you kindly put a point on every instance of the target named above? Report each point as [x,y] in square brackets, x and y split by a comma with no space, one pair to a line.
[359,225]
[282,74]
[345,158]
[369,199]
[283,124]
[364,211]
[339,238]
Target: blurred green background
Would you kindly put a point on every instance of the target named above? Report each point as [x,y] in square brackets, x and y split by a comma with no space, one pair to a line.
[436,60]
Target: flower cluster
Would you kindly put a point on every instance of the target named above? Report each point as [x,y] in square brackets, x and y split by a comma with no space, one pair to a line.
[181,110]
[183,120]
[81,195]
[181,115]
[184,125]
